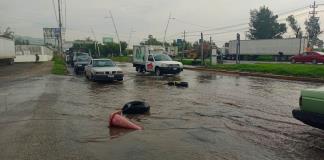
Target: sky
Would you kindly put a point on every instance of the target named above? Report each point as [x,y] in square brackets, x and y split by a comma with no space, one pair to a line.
[136,19]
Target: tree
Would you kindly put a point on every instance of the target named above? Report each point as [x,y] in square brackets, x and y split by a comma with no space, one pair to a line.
[264,25]
[153,41]
[8,33]
[294,26]
[313,30]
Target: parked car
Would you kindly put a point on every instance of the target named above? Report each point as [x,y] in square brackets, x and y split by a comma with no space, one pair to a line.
[311,109]
[313,57]
[103,70]
[80,63]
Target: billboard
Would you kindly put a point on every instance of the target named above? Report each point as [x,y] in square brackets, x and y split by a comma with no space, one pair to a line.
[107,40]
[52,33]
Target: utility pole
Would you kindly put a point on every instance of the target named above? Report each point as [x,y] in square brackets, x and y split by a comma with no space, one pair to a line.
[60,28]
[211,48]
[166,29]
[183,44]
[111,16]
[238,48]
[202,48]
[96,42]
[313,14]
[314,6]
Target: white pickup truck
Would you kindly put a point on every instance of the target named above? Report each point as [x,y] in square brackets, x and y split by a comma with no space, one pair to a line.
[154,59]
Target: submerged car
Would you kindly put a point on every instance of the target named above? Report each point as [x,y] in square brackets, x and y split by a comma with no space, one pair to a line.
[103,70]
[308,57]
[311,110]
[80,63]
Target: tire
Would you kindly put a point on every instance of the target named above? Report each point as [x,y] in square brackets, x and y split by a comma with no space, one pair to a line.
[158,71]
[138,70]
[11,61]
[91,78]
[136,107]
[85,74]
[293,61]
[314,61]
[120,79]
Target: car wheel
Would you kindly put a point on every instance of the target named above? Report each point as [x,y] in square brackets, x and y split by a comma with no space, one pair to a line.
[293,61]
[92,78]
[120,79]
[76,71]
[158,72]
[85,74]
[11,61]
[314,61]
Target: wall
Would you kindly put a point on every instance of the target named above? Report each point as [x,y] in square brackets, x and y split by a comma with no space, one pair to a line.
[27,53]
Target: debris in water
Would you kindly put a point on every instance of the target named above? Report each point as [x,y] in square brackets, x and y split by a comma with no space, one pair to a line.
[117,120]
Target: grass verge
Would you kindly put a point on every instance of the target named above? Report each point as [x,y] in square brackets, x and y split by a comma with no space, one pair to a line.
[121,59]
[59,67]
[298,70]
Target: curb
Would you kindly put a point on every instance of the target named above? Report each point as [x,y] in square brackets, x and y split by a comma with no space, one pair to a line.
[265,75]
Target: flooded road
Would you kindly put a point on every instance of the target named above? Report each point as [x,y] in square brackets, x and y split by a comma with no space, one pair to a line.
[218,117]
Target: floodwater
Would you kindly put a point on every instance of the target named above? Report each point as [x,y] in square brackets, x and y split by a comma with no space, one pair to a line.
[218,117]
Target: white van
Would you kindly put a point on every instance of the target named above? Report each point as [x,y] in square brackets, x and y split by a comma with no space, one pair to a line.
[154,59]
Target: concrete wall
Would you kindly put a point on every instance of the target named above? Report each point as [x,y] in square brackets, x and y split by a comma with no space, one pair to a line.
[27,53]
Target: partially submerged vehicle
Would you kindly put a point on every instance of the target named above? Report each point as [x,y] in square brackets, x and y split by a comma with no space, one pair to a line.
[311,110]
[148,58]
[103,70]
[80,63]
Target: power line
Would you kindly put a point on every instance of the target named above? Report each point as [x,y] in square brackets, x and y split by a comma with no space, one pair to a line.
[55,12]
[185,22]
[241,24]
[65,24]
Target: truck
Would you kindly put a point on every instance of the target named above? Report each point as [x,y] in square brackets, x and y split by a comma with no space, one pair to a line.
[150,58]
[277,49]
[7,50]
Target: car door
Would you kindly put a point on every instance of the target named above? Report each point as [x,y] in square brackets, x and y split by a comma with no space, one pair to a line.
[302,57]
[308,57]
[150,65]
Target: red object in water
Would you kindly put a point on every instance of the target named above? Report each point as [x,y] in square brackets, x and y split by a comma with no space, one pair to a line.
[117,120]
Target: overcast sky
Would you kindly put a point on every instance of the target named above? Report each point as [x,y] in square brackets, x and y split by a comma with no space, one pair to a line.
[144,17]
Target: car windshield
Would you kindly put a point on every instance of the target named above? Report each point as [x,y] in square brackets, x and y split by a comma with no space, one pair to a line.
[82,54]
[83,59]
[162,57]
[103,63]
[320,53]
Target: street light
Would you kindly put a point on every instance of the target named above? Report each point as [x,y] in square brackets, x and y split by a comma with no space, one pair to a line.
[166,29]
[112,18]
[130,36]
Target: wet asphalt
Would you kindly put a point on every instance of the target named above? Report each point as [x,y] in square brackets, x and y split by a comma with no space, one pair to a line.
[44,116]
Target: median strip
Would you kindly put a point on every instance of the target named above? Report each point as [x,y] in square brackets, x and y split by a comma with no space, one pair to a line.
[299,72]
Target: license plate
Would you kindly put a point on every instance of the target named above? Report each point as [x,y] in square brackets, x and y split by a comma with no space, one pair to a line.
[110,76]
[175,68]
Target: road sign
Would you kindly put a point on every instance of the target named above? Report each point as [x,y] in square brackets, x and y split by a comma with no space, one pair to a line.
[107,40]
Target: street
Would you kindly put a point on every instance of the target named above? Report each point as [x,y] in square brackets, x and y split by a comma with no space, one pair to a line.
[44,116]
